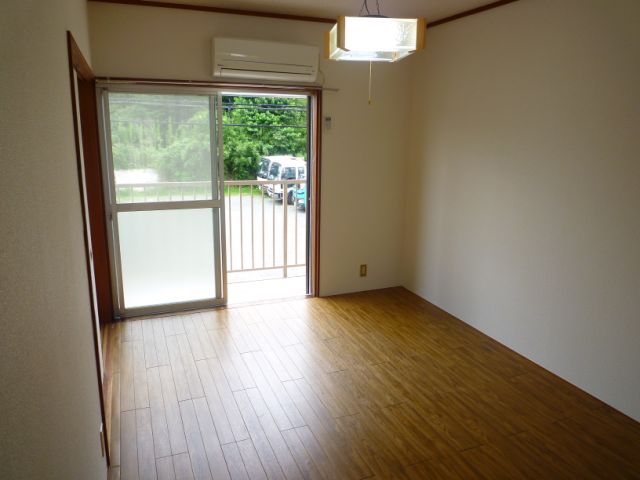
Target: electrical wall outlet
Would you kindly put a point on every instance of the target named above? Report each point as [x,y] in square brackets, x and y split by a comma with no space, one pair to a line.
[363,270]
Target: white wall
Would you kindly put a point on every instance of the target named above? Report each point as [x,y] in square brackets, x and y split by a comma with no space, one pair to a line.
[524,198]
[363,154]
[49,401]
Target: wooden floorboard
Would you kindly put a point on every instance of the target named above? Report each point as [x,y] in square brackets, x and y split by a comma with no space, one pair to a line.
[376,385]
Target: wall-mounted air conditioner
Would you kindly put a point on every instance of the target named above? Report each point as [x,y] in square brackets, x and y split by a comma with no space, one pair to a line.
[260,60]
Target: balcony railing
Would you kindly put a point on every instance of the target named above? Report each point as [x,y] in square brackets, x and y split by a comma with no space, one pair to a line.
[264,231]
[162,191]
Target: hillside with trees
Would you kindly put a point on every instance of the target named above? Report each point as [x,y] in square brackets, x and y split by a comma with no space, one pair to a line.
[170,135]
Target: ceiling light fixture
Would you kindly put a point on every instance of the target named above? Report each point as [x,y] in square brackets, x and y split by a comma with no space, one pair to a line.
[374,37]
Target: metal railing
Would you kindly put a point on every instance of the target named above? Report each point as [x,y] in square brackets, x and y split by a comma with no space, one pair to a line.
[264,231]
[261,235]
[163,191]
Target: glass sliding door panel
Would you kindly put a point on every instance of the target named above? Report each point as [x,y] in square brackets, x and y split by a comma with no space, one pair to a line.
[163,190]
[161,147]
[167,256]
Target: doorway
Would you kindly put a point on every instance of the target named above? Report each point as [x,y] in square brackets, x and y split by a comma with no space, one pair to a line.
[192,223]
[267,157]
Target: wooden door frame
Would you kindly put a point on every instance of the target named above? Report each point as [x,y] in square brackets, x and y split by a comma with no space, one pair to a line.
[93,174]
[85,126]
[316,147]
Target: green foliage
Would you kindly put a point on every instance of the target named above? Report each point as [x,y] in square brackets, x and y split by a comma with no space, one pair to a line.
[171,134]
[260,126]
[187,157]
[164,133]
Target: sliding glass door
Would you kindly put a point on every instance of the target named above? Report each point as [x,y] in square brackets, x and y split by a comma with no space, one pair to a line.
[164,183]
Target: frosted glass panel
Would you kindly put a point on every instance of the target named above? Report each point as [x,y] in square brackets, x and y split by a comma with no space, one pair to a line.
[367,34]
[167,256]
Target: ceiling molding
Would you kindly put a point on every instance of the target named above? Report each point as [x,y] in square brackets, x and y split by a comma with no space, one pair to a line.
[210,9]
[470,12]
[284,16]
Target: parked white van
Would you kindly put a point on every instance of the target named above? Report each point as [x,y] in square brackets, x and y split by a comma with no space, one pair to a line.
[265,164]
[285,168]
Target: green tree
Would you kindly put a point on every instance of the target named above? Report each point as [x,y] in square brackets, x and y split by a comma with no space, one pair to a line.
[260,126]
[164,133]
[171,134]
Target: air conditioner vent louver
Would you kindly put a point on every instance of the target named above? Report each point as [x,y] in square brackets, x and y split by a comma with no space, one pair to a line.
[260,60]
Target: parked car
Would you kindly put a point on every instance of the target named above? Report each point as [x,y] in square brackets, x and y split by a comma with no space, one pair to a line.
[291,168]
[301,197]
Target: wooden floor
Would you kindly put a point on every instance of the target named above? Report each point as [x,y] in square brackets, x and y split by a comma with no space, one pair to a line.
[372,385]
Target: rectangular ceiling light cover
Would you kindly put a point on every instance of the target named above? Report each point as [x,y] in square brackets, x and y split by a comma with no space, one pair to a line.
[374,39]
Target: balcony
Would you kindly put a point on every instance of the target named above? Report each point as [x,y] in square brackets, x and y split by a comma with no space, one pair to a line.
[266,237]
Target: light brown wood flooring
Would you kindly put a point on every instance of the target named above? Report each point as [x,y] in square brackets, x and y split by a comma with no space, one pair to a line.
[372,385]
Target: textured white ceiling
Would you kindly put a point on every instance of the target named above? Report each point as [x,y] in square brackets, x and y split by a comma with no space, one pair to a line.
[429,9]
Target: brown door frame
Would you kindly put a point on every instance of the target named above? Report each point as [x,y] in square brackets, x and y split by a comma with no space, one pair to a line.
[314,234]
[93,175]
[85,124]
